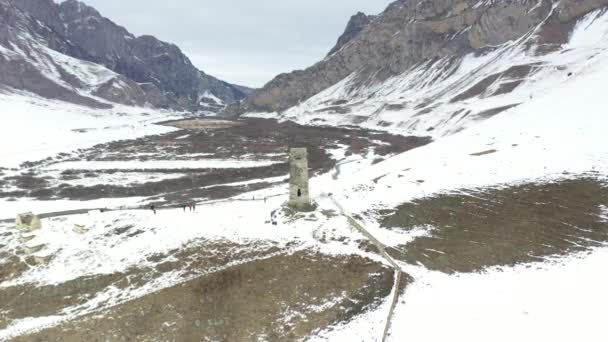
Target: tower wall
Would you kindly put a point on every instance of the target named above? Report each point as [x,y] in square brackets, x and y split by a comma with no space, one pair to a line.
[299,193]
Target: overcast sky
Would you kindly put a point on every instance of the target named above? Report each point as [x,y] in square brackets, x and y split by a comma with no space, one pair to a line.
[246,42]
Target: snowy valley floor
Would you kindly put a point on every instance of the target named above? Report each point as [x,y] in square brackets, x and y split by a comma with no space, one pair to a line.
[501,229]
[126,259]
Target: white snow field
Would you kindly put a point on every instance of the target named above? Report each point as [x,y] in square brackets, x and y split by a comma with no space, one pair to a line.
[34,128]
[557,131]
[94,253]
[559,300]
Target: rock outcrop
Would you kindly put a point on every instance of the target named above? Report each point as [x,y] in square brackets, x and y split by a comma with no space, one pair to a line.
[355,25]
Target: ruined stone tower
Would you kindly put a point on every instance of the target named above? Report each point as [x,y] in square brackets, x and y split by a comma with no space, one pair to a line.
[299,197]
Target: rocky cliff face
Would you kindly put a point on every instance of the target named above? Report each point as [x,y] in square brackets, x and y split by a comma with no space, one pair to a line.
[138,70]
[410,34]
[27,51]
[355,25]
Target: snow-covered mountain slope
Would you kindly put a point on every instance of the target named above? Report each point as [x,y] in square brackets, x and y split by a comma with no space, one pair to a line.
[33,67]
[558,132]
[36,58]
[70,52]
[443,95]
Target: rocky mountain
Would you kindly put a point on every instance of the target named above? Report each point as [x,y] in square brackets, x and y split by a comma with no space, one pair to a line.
[355,25]
[426,64]
[69,51]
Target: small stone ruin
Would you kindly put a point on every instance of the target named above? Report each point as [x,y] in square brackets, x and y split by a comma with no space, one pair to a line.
[28,224]
[80,229]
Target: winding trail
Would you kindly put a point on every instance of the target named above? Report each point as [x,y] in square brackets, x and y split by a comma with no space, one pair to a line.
[142,207]
[382,248]
[391,310]
[336,175]
[379,245]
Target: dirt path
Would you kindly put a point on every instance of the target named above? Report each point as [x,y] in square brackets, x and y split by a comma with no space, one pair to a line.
[167,207]
[382,249]
[338,167]
[56,214]
[389,318]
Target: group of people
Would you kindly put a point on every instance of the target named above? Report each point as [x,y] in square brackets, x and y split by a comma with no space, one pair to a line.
[190,206]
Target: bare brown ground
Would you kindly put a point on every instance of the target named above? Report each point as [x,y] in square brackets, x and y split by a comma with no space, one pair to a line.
[31,300]
[11,266]
[480,228]
[284,298]
[254,138]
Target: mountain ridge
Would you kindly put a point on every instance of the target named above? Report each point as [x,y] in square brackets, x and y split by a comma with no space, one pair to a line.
[355,25]
[149,71]
[411,34]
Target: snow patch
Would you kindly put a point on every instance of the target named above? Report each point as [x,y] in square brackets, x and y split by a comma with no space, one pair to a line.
[35,128]
[538,301]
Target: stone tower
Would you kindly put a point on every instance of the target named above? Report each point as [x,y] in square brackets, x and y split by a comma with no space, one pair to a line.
[299,197]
